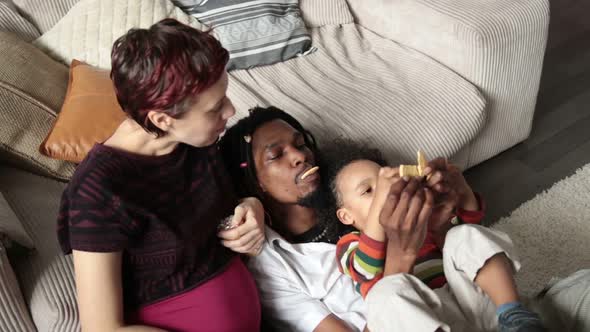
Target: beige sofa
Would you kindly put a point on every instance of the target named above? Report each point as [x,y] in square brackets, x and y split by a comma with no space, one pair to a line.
[455,78]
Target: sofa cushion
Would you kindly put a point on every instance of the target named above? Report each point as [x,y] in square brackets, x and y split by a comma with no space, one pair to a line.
[46,276]
[90,28]
[362,86]
[12,21]
[255,33]
[90,114]
[32,89]
[44,14]
[14,314]
[317,13]
[11,226]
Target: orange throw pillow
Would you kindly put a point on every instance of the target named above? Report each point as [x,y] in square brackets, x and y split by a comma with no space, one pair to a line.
[90,114]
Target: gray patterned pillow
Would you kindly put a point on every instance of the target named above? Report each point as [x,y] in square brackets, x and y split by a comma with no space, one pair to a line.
[255,32]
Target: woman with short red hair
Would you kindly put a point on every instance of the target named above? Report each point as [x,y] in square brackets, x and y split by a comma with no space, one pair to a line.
[141,215]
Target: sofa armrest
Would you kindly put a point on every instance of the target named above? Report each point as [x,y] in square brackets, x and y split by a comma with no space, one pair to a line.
[498,45]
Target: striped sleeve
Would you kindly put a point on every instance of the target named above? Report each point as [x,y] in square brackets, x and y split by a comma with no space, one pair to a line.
[361,258]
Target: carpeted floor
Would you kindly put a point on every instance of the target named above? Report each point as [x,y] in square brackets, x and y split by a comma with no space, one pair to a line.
[552,232]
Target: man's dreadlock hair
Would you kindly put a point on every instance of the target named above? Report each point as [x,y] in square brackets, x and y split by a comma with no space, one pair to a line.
[338,154]
[237,148]
[237,153]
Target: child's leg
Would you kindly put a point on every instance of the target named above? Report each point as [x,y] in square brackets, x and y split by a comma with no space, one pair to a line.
[467,250]
[496,279]
[480,261]
[401,302]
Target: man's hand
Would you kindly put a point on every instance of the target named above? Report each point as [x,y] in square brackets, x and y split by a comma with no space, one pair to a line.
[247,236]
[407,207]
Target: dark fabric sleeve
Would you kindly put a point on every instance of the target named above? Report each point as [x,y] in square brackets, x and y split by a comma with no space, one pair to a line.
[92,219]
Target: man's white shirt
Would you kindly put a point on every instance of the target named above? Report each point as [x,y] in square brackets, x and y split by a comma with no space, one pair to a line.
[300,285]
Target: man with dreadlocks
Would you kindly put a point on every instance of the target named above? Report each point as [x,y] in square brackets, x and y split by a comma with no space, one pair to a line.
[271,156]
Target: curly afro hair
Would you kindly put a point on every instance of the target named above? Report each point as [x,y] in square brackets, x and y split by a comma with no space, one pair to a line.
[341,152]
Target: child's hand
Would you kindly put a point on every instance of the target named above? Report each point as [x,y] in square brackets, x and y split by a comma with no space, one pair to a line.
[444,177]
[440,220]
[387,177]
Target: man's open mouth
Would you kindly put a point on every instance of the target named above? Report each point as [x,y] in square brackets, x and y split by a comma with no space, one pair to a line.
[307,173]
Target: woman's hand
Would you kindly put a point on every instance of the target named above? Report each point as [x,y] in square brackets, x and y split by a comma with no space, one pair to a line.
[405,210]
[247,235]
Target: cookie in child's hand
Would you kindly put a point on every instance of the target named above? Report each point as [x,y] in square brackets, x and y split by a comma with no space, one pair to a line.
[415,170]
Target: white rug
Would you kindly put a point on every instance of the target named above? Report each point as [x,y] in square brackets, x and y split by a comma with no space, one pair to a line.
[552,232]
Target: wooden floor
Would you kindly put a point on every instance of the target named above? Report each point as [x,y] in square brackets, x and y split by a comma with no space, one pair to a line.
[560,139]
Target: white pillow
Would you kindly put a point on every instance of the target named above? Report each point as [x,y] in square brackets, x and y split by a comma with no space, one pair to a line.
[90,28]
